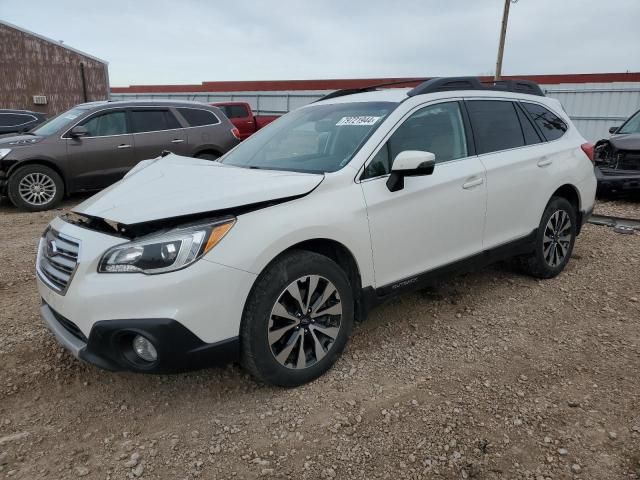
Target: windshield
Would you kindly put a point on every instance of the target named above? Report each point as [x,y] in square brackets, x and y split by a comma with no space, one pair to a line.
[632,125]
[59,122]
[316,139]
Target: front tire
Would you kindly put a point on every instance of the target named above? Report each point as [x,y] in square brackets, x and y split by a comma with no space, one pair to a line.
[297,320]
[35,188]
[554,240]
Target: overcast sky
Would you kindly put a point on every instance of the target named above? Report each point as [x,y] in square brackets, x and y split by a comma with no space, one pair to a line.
[190,41]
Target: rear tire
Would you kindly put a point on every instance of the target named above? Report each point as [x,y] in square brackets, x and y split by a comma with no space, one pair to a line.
[295,326]
[208,156]
[35,188]
[554,240]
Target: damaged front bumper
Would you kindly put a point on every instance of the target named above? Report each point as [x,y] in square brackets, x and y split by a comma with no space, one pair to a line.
[612,180]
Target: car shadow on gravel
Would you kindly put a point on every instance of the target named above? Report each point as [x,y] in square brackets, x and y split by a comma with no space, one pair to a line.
[631,197]
[7,208]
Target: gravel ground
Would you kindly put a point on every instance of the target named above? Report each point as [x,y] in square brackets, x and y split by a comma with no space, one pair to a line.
[490,375]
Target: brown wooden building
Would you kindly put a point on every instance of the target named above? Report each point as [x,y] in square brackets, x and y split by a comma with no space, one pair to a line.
[44,75]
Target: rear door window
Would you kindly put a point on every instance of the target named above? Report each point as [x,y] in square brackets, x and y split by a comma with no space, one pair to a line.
[551,126]
[495,125]
[197,117]
[153,120]
[105,124]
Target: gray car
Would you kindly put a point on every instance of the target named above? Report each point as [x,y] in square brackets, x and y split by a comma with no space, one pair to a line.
[95,144]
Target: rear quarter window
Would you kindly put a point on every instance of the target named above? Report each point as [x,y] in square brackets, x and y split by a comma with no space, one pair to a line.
[196,117]
[551,126]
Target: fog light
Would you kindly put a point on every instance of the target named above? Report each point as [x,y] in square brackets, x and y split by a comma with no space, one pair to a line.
[144,349]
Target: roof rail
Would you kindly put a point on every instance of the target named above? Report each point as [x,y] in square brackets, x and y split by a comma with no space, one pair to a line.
[444,84]
[351,91]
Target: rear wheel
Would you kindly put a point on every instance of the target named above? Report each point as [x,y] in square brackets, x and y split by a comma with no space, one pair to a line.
[35,188]
[554,240]
[297,320]
[208,156]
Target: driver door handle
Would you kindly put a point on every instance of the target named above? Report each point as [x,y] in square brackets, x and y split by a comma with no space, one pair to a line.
[544,162]
[177,140]
[124,145]
[472,183]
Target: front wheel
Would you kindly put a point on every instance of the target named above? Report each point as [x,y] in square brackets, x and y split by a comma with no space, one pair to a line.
[35,188]
[297,320]
[554,240]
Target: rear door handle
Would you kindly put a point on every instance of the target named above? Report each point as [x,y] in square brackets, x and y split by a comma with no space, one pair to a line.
[545,162]
[124,145]
[177,140]
[472,183]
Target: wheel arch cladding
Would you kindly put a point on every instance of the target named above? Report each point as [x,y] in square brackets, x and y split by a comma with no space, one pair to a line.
[342,256]
[571,193]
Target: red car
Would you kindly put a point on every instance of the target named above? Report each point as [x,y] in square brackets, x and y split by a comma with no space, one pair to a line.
[243,119]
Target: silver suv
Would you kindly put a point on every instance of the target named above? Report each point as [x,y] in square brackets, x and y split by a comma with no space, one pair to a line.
[94,145]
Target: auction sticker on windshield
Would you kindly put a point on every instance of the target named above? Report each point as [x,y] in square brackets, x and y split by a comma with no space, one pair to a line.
[361,120]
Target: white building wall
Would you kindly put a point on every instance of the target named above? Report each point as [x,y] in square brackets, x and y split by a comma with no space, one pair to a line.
[593,107]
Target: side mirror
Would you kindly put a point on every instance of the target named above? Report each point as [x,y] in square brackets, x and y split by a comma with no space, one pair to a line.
[78,131]
[410,163]
[613,130]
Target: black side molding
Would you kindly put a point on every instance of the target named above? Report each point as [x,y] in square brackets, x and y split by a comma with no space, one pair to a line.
[371,297]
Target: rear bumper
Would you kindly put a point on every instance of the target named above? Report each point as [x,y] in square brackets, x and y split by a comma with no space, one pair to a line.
[610,179]
[109,344]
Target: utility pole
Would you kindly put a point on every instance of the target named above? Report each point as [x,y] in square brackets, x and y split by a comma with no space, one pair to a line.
[503,35]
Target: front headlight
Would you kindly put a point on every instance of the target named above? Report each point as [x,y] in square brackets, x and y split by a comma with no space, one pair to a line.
[167,252]
[4,152]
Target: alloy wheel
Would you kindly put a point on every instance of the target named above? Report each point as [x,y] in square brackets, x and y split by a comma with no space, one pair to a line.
[37,188]
[557,238]
[305,322]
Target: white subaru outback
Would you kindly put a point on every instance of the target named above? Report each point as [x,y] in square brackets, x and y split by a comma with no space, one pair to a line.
[268,255]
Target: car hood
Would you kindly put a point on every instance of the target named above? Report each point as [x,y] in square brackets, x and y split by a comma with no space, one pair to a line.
[11,140]
[626,141]
[175,186]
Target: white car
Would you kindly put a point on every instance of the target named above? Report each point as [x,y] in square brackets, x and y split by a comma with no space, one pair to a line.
[269,255]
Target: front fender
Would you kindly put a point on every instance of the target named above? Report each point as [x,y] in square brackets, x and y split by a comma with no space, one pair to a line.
[338,215]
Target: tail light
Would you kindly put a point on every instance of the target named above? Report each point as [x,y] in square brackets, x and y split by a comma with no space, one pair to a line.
[587,148]
[235,132]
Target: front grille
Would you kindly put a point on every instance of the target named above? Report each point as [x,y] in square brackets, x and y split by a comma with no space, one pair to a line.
[57,259]
[69,326]
[629,160]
